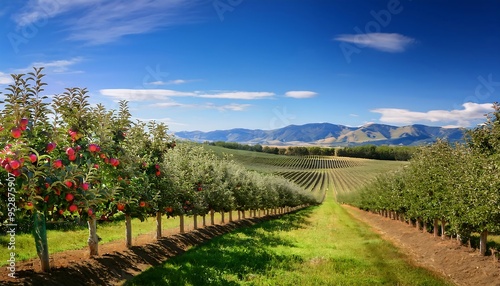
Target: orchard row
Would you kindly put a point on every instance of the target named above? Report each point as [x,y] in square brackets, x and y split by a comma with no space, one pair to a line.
[457,186]
[71,159]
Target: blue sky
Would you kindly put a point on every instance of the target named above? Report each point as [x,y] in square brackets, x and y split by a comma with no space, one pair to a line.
[264,64]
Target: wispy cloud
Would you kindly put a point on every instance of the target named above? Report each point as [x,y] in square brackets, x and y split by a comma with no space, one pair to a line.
[386,42]
[57,66]
[463,117]
[247,95]
[104,21]
[5,78]
[171,82]
[208,105]
[143,94]
[300,94]
[163,94]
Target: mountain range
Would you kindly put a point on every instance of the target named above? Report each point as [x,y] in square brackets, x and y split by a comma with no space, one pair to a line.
[327,134]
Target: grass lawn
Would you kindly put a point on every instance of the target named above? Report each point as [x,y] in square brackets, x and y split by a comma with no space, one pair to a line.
[320,245]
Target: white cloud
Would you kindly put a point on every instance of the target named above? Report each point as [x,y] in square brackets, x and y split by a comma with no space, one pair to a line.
[463,117]
[57,66]
[174,81]
[386,42]
[248,95]
[163,94]
[230,107]
[104,21]
[300,94]
[143,94]
[5,78]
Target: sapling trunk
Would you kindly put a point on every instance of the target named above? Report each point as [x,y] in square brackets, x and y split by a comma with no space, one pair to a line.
[222,220]
[128,230]
[424,226]
[230,216]
[483,239]
[158,225]
[181,223]
[204,219]
[436,227]
[443,228]
[195,221]
[417,224]
[239,215]
[40,235]
[243,213]
[212,219]
[93,240]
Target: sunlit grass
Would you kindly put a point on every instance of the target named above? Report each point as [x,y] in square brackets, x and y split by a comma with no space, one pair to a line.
[317,246]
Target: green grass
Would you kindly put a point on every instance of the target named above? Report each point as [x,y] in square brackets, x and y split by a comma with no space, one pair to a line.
[317,246]
[59,241]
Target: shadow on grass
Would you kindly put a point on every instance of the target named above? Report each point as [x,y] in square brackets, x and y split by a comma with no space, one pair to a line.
[234,255]
[226,260]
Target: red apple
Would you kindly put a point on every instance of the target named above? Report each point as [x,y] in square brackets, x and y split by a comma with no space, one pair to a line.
[96,166]
[33,158]
[73,208]
[58,164]
[93,147]
[15,164]
[70,151]
[90,212]
[72,157]
[28,205]
[61,211]
[120,206]
[68,184]
[16,173]
[85,186]
[69,197]
[15,132]
[114,162]
[158,173]
[51,146]
[157,167]
[142,204]
[24,122]
[102,156]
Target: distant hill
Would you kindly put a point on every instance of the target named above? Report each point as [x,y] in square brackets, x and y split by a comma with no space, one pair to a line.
[327,134]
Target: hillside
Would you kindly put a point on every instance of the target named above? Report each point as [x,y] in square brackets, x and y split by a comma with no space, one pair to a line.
[327,134]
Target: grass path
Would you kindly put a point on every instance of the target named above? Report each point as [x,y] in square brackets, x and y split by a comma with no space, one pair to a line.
[321,245]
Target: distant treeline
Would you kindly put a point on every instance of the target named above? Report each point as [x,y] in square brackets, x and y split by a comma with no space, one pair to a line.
[399,153]
[292,151]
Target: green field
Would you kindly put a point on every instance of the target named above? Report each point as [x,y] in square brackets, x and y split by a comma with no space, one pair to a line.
[321,245]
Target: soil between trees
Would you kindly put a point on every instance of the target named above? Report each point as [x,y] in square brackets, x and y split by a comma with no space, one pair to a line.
[116,263]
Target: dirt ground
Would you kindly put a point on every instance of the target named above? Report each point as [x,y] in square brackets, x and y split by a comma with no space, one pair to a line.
[462,265]
[116,263]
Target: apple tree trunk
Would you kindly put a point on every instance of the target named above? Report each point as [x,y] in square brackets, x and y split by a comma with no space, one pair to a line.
[181,223]
[93,240]
[158,225]
[40,235]
[483,239]
[128,231]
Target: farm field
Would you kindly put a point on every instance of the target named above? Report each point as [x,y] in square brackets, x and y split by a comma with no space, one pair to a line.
[328,244]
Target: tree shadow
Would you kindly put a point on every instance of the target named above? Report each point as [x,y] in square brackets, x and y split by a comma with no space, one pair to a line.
[242,252]
[226,260]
